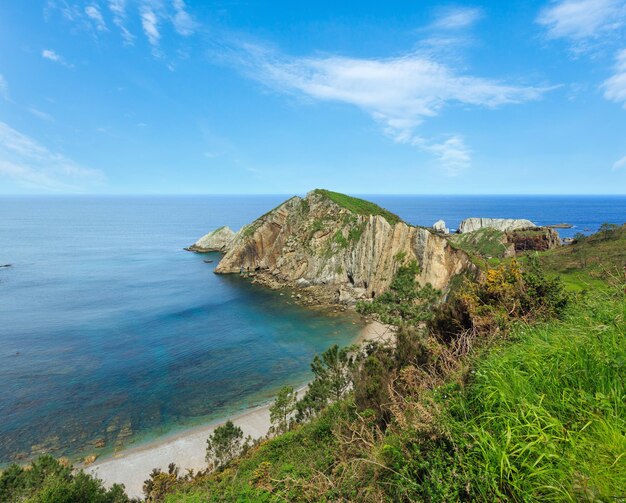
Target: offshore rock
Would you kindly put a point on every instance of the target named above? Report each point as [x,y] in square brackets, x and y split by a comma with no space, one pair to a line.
[440,226]
[217,240]
[500,224]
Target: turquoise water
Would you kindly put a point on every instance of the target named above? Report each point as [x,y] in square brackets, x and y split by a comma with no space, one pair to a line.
[109,330]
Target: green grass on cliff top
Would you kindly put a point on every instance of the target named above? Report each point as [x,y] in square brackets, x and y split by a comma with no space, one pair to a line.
[586,264]
[485,242]
[358,206]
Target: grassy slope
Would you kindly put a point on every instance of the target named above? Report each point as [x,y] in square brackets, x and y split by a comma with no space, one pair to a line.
[584,265]
[359,206]
[273,471]
[546,415]
[485,242]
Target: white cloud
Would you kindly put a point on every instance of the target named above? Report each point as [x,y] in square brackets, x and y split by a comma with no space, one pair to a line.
[453,155]
[182,20]
[619,164]
[118,9]
[150,24]
[399,93]
[615,86]
[29,164]
[4,88]
[42,115]
[581,20]
[457,17]
[93,13]
[152,14]
[53,56]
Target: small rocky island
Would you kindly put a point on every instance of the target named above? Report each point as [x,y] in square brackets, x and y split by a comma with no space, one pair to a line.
[340,249]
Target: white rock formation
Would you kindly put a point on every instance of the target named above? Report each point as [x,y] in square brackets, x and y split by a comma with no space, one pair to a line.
[440,226]
[501,224]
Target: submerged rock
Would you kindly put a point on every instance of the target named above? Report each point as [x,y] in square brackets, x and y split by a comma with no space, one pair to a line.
[217,240]
[90,459]
[500,224]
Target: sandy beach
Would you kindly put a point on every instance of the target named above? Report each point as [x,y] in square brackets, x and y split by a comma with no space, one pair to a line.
[187,449]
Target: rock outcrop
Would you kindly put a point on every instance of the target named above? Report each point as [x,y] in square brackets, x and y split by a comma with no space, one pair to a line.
[440,226]
[343,244]
[533,239]
[500,224]
[217,240]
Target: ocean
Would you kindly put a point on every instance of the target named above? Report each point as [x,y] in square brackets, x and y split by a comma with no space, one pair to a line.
[110,332]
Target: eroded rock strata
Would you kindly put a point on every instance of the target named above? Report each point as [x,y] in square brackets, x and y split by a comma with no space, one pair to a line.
[347,247]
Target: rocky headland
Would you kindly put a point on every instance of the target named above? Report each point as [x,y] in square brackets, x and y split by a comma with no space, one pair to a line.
[335,249]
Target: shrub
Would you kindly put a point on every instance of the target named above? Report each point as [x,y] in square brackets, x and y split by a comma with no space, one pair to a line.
[47,480]
[224,444]
[405,302]
[282,409]
[508,293]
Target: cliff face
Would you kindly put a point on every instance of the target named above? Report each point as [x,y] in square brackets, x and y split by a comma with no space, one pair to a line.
[344,243]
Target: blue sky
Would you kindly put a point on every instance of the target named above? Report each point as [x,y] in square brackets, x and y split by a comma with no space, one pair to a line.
[182,96]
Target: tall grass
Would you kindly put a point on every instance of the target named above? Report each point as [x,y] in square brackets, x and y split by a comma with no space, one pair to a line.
[545,417]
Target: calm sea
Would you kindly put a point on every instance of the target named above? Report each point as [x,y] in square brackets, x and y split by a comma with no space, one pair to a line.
[109,330]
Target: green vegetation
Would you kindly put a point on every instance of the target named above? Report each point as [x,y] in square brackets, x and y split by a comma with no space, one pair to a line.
[340,239]
[405,302]
[224,444]
[545,417]
[48,480]
[282,409]
[331,381]
[590,262]
[485,242]
[358,206]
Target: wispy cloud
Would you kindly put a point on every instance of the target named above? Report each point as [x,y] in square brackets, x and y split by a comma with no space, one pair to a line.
[150,24]
[152,14]
[53,56]
[30,164]
[4,88]
[615,86]
[619,164]
[399,93]
[41,115]
[453,154]
[582,22]
[118,9]
[93,12]
[182,20]
[453,18]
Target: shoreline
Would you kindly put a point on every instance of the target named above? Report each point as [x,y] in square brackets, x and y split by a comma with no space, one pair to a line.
[187,448]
